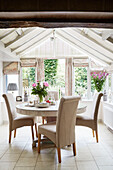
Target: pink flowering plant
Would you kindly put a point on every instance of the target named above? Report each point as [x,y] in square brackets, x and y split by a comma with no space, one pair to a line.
[40,89]
[99,79]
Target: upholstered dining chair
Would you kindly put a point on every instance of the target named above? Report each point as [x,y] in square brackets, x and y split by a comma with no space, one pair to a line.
[91,121]
[62,133]
[55,93]
[16,121]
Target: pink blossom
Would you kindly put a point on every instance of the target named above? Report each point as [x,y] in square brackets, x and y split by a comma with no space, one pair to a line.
[46,84]
[94,77]
[107,74]
[34,84]
[99,76]
[37,81]
[94,73]
[104,73]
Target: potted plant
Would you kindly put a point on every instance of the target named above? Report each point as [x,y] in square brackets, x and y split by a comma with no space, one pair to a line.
[99,79]
[40,89]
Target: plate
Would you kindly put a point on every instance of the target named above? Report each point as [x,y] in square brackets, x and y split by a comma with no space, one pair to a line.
[43,105]
[28,105]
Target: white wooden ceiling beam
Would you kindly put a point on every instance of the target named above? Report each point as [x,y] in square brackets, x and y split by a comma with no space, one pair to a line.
[21,38]
[107,33]
[7,51]
[28,42]
[7,33]
[71,41]
[102,51]
[40,39]
[98,39]
[46,56]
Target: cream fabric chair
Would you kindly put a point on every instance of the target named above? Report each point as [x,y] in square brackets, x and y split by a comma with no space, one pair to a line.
[16,121]
[56,97]
[91,122]
[62,133]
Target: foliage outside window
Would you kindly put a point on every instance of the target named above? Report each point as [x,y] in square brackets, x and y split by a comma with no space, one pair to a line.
[51,71]
[28,76]
[81,81]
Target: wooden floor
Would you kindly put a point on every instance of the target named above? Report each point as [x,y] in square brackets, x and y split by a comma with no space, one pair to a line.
[90,155]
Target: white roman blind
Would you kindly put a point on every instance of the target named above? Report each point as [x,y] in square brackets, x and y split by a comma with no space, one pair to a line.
[84,62]
[10,68]
[28,62]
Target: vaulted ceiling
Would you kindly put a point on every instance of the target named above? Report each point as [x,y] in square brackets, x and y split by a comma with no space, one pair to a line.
[16,43]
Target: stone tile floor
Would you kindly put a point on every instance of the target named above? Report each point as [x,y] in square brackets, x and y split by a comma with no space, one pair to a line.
[19,155]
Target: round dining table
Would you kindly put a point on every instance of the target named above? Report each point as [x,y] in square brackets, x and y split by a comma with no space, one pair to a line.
[51,111]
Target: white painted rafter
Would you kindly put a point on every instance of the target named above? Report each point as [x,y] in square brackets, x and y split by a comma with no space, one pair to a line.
[7,34]
[89,33]
[107,55]
[40,39]
[28,42]
[83,48]
[25,36]
[7,51]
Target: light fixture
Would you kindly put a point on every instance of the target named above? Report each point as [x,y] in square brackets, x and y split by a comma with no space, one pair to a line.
[12,87]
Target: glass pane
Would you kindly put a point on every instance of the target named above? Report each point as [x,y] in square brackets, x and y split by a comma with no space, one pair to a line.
[28,76]
[81,81]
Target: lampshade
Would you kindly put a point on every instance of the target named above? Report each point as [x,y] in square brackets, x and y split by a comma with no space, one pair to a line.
[12,87]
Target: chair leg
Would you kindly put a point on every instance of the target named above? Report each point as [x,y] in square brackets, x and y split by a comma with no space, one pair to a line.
[74,149]
[96,136]
[39,139]
[32,132]
[59,155]
[93,133]
[10,136]
[14,133]
[36,130]
[43,120]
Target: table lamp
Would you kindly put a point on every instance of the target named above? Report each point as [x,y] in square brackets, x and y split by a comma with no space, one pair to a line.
[12,87]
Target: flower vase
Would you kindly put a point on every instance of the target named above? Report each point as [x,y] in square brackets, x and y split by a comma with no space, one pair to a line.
[40,98]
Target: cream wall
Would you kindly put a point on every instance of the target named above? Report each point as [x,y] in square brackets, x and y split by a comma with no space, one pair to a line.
[1,91]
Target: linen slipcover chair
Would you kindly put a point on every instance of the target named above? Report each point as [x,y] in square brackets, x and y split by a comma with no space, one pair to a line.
[56,97]
[62,133]
[91,122]
[16,121]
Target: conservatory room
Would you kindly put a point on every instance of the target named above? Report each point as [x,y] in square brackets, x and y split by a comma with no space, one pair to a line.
[46,75]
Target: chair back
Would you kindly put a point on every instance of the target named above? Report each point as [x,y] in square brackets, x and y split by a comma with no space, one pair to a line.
[54,93]
[10,103]
[95,105]
[65,126]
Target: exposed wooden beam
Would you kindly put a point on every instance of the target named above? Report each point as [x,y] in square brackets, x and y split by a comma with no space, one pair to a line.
[29,41]
[106,34]
[98,49]
[98,39]
[56,19]
[71,41]
[21,37]
[41,38]
[7,33]
[7,51]
[45,56]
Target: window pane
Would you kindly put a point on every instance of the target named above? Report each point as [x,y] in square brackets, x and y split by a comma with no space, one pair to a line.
[81,81]
[28,75]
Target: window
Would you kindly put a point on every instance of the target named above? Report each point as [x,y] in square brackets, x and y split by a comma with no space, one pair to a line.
[81,81]
[28,76]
